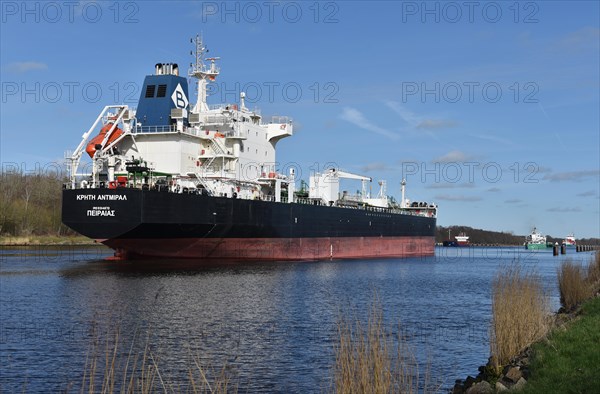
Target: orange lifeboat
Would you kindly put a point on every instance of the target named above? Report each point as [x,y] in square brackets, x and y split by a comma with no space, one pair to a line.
[91,147]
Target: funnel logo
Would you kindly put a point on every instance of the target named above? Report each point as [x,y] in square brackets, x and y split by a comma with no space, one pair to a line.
[179,98]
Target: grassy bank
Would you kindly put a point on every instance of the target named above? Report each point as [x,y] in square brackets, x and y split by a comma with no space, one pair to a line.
[569,360]
[35,240]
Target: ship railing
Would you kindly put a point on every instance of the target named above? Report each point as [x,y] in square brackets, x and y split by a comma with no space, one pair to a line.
[271,198]
[155,129]
[223,106]
[195,131]
[307,201]
[352,198]
[217,119]
[235,133]
[277,119]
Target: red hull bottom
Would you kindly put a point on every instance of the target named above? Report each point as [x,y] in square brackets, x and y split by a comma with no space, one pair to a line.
[274,248]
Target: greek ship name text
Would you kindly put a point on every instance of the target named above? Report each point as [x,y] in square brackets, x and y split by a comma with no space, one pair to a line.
[101,197]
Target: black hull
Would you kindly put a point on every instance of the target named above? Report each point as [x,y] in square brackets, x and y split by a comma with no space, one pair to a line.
[114,216]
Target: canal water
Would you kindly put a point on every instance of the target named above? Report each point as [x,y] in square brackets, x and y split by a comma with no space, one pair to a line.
[272,326]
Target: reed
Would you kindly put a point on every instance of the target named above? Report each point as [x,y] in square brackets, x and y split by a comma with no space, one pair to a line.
[520,313]
[206,380]
[593,274]
[109,370]
[577,284]
[368,361]
[573,284]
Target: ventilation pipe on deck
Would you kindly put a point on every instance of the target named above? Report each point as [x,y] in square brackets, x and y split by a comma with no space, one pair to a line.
[292,186]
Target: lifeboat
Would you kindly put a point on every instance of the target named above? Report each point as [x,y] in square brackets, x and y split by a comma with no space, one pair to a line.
[91,147]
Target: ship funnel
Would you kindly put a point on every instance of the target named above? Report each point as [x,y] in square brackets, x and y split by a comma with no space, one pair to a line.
[161,94]
[166,69]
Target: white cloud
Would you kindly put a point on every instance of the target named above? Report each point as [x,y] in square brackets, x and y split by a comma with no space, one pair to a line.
[453,157]
[419,122]
[584,38]
[589,193]
[433,124]
[494,139]
[407,116]
[564,209]
[572,175]
[23,67]
[377,166]
[448,197]
[356,117]
[451,186]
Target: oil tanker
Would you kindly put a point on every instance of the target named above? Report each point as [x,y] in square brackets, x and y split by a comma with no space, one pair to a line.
[175,179]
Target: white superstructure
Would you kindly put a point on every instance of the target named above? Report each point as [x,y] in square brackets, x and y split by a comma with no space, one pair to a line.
[224,150]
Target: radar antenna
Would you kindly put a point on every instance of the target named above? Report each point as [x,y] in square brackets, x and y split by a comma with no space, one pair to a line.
[204,74]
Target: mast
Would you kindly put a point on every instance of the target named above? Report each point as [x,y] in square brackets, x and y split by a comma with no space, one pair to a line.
[403,201]
[204,74]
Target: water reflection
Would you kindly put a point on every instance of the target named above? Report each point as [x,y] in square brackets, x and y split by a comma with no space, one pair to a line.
[273,324]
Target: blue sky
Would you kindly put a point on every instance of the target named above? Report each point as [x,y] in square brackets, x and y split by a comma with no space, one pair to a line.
[490,109]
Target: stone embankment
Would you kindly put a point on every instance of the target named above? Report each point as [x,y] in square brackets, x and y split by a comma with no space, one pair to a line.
[512,377]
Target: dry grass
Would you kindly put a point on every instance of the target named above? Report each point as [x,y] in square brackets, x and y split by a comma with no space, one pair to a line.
[44,240]
[577,284]
[593,274]
[573,285]
[368,361]
[108,370]
[216,382]
[520,313]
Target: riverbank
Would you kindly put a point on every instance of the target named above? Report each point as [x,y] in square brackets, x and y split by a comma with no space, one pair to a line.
[45,240]
[569,360]
[564,357]
[566,361]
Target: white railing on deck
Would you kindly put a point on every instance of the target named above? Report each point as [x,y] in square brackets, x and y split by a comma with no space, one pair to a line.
[155,129]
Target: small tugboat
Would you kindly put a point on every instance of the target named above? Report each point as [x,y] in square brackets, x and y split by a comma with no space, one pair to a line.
[535,240]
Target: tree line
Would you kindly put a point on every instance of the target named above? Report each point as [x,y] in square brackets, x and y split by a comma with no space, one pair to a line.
[486,237]
[30,204]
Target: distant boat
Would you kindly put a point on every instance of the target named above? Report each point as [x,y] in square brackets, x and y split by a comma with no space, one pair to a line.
[450,243]
[535,240]
[462,239]
[569,241]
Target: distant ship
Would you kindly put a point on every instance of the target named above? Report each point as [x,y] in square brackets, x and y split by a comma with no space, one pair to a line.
[173,179]
[462,239]
[535,240]
[569,241]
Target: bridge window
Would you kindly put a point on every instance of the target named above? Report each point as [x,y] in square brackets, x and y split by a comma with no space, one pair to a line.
[150,91]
